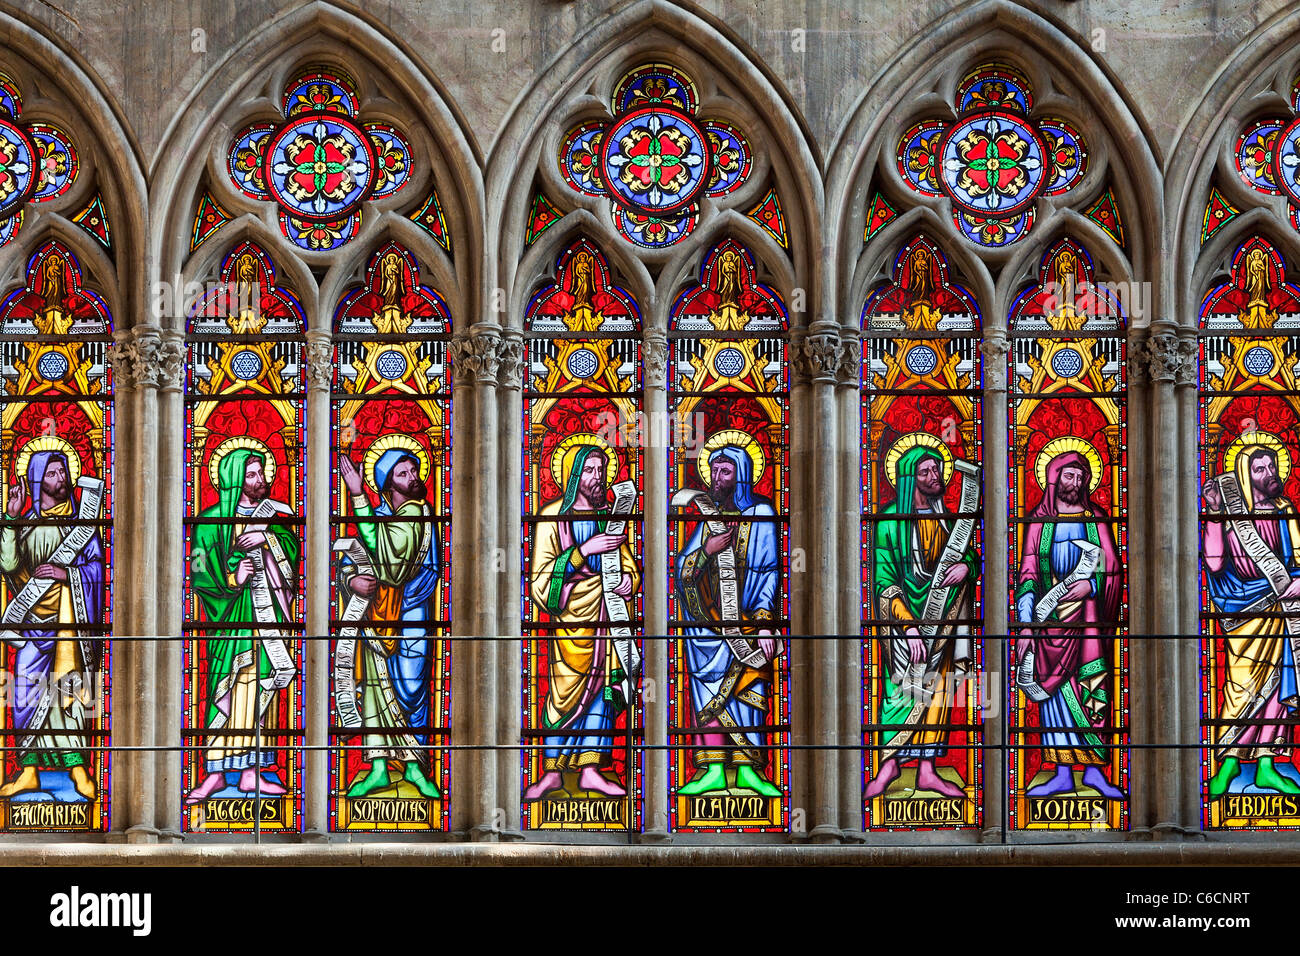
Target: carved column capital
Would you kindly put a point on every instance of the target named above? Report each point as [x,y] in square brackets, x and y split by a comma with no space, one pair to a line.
[145,355]
[654,358]
[514,360]
[996,346]
[816,357]
[121,360]
[848,367]
[1160,357]
[476,357]
[171,361]
[1189,357]
[318,359]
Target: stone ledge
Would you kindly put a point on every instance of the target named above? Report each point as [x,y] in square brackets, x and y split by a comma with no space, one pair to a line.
[378,854]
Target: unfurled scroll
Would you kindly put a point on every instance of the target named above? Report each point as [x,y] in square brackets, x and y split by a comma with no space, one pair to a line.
[611,575]
[955,548]
[1089,558]
[1269,564]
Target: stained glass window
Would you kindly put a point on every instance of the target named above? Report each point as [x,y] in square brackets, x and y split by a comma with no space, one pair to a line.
[392,502]
[1249,443]
[243,610]
[657,158]
[1068,653]
[56,557]
[320,163]
[582,507]
[995,159]
[922,522]
[37,161]
[728,542]
[1268,156]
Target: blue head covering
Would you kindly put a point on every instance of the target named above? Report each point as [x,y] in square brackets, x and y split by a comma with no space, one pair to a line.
[387,462]
[37,465]
[744,493]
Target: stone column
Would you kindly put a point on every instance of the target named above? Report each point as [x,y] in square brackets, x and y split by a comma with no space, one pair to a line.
[168,657]
[654,470]
[510,381]
[820,354]
[848,524]
[799,504]
[121,358]
[476,359]
[997,585]
[1188,645]
[143,572]
[319,362]
[1160,767]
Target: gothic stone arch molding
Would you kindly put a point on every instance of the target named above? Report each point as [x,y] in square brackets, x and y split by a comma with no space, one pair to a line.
[243,87]
[918,85]
[67,94]
[576,86]
[1253,83]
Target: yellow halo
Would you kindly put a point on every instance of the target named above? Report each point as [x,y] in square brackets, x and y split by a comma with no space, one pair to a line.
[569,444]
[387,443]
[910,441]
[1059,446]
[1258,439]
[232,444]
[731,436]
[48,443]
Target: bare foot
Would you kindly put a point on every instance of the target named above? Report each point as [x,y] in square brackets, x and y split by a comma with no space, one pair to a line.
[888,771]
[81,780]
[27,780]
[248,782]
[551,780]
[210,785]
[928,779]
[593,779]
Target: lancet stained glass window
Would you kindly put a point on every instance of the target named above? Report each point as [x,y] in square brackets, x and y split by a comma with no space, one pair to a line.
[1249,443]
[243,610]
[1068,652]
[391,417]
[922,565]
[56,554]
[728,542]
[582,507]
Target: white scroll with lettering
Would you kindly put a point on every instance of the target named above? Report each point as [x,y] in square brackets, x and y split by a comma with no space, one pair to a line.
[611,575]
[955,548]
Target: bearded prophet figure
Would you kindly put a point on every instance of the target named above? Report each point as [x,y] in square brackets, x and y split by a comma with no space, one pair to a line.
[1260,679]
[406,560]
[729,697]
[583,670]
[50,697]
[1064,663]
[907,552]
[242,573]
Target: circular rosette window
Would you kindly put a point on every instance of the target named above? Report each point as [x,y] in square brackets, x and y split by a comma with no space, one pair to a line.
[1067,156]
[993,163]
[655,161]
[580,159]
[320,167]
[918,157]
[655,232]
[732,159]
[655,84]
[11,101]
[1254,156]
[18,167]
[392,159]
[247,160]
[1286,161]
[993,231]
[319,236]
[9,228]
[320,92]
[56,161]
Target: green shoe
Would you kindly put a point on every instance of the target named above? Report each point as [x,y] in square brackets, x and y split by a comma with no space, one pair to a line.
[714,778]
[1229,772]
[1268,778]
[376,779]
[422,783]
[747,778]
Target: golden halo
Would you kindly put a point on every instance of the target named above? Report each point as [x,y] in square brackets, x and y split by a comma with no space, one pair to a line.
[387,443]
[573,441]
[731,436]
[910,441]
[231,444]
[48,443]
[1059,446]
[1258,439]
